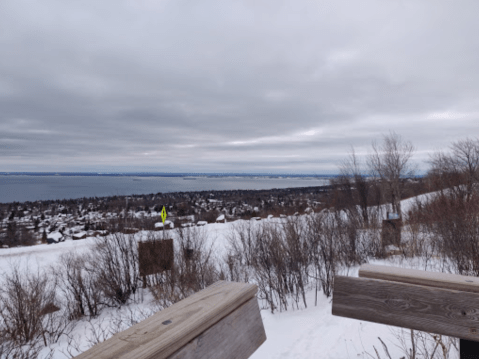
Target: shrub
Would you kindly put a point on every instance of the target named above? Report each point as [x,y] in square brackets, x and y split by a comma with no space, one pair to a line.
[452,221]
[194,267]
[116,268]
[79,284]
[29,312]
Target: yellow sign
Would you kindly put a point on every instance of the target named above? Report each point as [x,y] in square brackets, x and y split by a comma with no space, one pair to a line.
[163,214]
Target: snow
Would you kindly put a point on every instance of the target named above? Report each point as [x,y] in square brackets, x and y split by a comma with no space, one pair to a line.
[79,235]
[160,224]
[303,333]
[187,225]
[55,236]
[315,333]
[221,218]
[40,256]
[391,247]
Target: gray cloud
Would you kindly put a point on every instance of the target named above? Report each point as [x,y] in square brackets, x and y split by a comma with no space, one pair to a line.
[241,86]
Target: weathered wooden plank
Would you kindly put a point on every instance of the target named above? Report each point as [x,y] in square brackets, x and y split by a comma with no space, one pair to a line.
[236,336]
[434,310]
[419,277]
[165,332]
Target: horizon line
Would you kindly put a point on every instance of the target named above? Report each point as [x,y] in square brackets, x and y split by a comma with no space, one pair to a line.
[163,173]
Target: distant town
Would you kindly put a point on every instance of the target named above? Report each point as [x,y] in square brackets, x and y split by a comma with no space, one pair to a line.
[54,221]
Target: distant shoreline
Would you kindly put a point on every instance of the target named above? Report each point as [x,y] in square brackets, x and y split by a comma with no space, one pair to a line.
[180,194]
[21,188]
[161,174]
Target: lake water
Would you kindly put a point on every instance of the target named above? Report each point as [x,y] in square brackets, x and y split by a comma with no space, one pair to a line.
[32,188]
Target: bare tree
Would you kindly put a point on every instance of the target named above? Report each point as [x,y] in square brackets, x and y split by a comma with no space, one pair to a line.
[460,167]
[391,163]
[353,178]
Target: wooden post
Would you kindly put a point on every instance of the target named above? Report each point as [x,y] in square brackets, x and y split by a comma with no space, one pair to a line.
[440,303]
[391,232]
[221,321]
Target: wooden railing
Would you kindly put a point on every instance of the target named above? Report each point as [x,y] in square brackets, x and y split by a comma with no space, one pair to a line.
[440,303]
[221,321]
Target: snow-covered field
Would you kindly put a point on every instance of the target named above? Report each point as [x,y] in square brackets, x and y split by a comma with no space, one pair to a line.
[311,332]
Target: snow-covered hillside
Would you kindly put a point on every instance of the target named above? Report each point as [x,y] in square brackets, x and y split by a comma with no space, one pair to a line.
[311,332]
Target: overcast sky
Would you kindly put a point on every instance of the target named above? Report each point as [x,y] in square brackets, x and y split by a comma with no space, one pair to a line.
[231,86]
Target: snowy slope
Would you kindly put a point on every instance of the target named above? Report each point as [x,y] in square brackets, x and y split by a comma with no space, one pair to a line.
[311,332]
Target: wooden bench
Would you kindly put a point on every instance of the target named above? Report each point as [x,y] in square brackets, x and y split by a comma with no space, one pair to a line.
[221,321]
[440,303]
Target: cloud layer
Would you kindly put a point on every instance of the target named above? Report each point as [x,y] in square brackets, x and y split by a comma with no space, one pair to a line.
[231,86]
